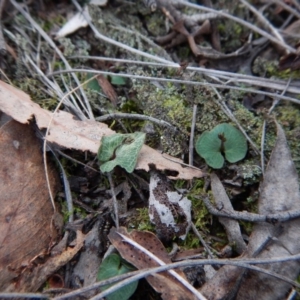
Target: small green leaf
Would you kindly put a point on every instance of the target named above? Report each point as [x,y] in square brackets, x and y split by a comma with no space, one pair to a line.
[113,265]
[208,147]
[120,149]
[223,139]
[93,84]
[117,80]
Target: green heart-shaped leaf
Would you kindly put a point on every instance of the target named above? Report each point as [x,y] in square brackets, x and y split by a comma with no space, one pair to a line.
[223,138]
[112,266]
[120,149]
[208,147]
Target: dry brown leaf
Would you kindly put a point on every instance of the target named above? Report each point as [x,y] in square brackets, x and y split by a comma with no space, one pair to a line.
[108,89]
[26,210]
[81,135]
[163,282]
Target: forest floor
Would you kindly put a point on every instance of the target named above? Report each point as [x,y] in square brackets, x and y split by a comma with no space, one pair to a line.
[196,108]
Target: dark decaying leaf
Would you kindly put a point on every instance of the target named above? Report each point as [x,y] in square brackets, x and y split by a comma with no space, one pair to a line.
[279,193]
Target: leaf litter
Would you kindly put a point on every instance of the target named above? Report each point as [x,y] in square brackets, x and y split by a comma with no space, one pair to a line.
[71,135]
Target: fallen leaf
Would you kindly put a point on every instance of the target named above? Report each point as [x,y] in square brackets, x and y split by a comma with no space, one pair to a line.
[279,193]
[82,135]
[26,210]
[164,283]
[108,89]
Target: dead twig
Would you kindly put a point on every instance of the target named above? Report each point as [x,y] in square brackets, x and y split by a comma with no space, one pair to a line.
[191,143]
[251,217]
[116,43]
[231,116]
[115,201]
[263,20]
[197,233]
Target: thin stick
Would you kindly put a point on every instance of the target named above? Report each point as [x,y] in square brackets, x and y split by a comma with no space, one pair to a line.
[296,3]
[262,147]
[77,161]
[23,295]
[2,40]
[234,77]
[263,20]
[231,116]
[277,85]
[115,201]
[252,217]
[197,233]
[68,194]
[191,144]
[137,117]
[181,163]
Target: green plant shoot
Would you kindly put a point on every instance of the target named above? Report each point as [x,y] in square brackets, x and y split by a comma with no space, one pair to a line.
[225,140]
